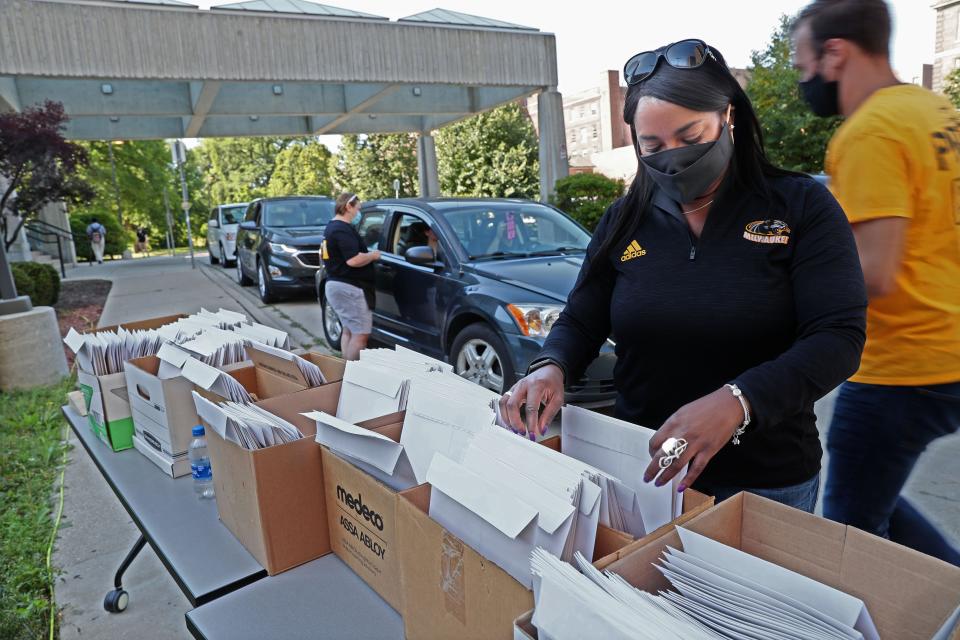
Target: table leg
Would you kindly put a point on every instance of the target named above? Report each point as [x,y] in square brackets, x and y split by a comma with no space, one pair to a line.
[117,600]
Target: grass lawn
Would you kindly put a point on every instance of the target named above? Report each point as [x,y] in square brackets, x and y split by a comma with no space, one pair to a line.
[31,458]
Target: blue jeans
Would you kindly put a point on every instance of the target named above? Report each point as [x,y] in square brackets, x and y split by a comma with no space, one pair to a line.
[877,434]
[801,496]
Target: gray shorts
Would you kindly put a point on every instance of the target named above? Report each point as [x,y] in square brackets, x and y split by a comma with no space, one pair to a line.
[351,306]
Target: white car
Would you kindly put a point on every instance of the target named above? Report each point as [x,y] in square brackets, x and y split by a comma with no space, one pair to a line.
[222,232]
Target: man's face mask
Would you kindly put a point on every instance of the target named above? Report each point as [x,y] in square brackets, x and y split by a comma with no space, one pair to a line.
[823,97]
[686,173]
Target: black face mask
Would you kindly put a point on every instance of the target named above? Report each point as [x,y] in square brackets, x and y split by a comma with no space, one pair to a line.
[685,173]
[822,96]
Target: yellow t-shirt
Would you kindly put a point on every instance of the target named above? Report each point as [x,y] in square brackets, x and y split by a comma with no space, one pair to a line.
[898,155]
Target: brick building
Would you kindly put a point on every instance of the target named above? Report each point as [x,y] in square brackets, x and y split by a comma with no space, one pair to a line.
[947,51]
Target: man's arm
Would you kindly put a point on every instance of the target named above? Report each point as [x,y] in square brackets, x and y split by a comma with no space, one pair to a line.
[880,244]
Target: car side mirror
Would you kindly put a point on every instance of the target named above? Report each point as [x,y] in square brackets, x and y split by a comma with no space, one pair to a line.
[213,222]
[249,225]
[422,255]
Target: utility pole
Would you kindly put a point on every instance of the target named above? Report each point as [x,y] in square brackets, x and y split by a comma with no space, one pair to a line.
[116,188]
[166,208]
[179,158]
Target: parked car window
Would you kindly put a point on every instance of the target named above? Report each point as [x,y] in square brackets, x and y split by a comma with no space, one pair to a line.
[409,231]
[507,228]
[298,213]
[371,227]
[231,215]
[252,212]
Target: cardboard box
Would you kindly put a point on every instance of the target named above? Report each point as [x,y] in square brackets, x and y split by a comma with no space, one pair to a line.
[272,499]
[265,376]
[163,411]
[107,403]
[451,591]
[108,409]
[171,466]
[909,595]
[362,518]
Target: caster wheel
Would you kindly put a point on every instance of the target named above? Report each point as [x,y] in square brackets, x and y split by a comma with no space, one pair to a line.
[116,601]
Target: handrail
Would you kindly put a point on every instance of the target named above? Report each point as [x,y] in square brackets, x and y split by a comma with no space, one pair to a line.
[52,228]
[36,230]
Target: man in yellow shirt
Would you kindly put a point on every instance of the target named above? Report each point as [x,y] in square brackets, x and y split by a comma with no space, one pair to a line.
[894,166]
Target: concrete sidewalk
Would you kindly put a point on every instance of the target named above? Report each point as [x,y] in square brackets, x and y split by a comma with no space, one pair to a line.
[96,532]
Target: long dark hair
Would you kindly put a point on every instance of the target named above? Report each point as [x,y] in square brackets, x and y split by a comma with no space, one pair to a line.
[710,87]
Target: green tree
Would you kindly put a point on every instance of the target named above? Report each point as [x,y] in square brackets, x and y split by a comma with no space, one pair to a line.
[303,168]
[368,165]
[493,154]
[794,137]
[237,169]
[143,169]
[951,87]
[585,197]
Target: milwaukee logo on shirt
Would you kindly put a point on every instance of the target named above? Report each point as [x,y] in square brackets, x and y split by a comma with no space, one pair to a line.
[633,250]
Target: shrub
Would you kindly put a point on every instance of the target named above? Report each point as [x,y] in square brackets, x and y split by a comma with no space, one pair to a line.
[39,281]
[585,197]
[118,238]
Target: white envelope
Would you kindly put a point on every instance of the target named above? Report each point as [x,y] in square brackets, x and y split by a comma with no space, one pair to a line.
[620,449]
[375,453]
[534,459]
[369,391]
[216,418]
[435,423]
[483,513]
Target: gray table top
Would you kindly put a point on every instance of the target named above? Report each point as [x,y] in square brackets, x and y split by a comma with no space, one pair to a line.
[320,599]
[201,554]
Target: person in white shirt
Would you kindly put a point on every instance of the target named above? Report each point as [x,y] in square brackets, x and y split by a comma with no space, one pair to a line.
[98,239]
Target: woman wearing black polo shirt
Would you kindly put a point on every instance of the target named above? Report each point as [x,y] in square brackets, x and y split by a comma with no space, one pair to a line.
[731,288]
[350,277]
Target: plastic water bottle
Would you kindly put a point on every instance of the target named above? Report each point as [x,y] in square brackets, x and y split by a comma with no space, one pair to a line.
[200,465]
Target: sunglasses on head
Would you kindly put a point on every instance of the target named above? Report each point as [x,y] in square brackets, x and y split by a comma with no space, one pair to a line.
[352,200]
[686,54]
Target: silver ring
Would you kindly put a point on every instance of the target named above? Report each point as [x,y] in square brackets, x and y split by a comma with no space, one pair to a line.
[672,449]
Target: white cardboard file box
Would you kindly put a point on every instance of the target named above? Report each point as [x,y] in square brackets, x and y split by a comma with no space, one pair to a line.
[163,411]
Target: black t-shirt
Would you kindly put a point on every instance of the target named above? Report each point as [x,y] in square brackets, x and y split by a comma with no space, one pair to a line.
[341,242]
[771,297]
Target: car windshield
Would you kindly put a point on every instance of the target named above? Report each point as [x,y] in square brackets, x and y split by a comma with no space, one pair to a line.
[504,229]
[298,213]
[233,215]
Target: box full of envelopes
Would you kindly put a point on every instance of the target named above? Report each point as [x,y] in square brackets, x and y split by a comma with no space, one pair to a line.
[750,568]
[467,534]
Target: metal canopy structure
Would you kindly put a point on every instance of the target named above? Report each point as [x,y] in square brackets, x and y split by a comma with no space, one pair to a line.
[163,69]
[263,67]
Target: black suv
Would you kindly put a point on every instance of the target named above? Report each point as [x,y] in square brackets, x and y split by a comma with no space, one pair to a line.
[476,282]
[278,243]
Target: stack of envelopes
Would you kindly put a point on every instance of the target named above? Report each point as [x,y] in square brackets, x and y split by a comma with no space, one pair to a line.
[246,425]
[721,592]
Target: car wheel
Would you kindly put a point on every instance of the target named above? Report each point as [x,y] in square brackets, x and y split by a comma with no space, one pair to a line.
[223,258]
[332,329]
[479,355]
[213,259]
[242,278]
[263,285]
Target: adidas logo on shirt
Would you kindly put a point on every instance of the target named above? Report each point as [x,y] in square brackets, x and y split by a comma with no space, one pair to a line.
[633,250]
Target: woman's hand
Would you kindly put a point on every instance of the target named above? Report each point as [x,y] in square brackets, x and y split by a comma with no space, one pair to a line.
[707,425]
[542,387]
[375,255]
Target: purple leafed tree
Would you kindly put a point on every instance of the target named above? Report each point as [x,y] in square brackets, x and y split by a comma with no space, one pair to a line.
[39,165]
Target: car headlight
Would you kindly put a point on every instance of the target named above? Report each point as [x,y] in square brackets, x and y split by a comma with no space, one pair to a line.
[231,236]
[534,320]
[282,248]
